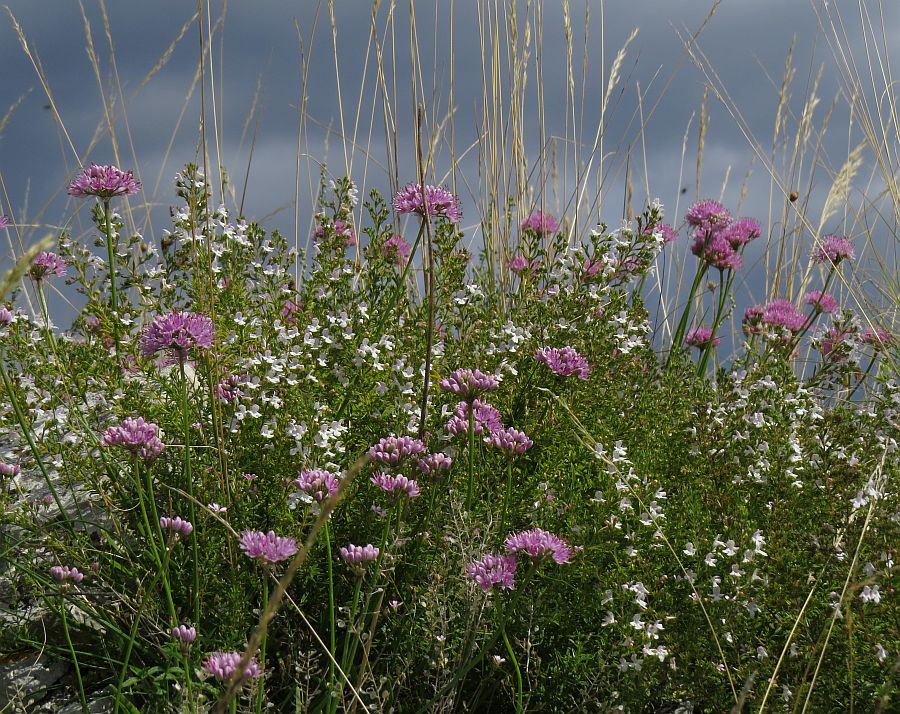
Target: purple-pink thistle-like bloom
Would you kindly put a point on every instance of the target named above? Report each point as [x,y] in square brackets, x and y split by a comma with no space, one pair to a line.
[541,223]
[396,485]
[394,449]
[222,665]
[708,217]
[700,337]
[782,313]
[434,463]
[318,483]
[177,525]
[47,265]
[538,543]
[821,301]
[468,383]
[878,337]
[359,554]
[716,250]
[228,389]
[267,547]
[178,332]
[104,182]
[486,418]
[139,437]
[668,233]
[564,361]
[10,470]
[396,250]
[741,232]
[62,573]
[6,316]
[519,263]
[510,441]
[491,570]
[183,633]
[834,249]
[438,201]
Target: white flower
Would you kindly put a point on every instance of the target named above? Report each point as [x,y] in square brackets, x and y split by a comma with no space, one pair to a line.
[880,652]
[689,549]
[870,594]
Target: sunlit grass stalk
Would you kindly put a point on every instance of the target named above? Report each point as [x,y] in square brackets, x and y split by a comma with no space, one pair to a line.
[189,479]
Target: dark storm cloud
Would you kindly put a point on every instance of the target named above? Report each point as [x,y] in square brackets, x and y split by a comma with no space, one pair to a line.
[743,41]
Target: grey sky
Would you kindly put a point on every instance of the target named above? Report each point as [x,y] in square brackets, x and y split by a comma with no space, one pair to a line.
[744,41]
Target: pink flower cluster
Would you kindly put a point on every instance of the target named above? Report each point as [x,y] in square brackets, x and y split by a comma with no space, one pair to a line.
[500,570]
[9,469]
[396,484]
[176,525]
[541,223]
[267,547]
[437,201]
[564,361]
[821,301]
[183,633]
[779,313]
[510,441]
[228,389]
[718,239]
[359,554]
[519,263]
[834,249]
[434,463]
[104,182]
[486,418]
[394,449]
[318,483]
[178,332]
[468,383]
[340,229]
[396,250]
[47,265]
[700,337]
[879,337]
[139,437]
[222,665]
[62,573]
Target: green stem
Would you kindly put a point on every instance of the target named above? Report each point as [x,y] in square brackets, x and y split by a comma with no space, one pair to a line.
[682,324]
[724,290]
[262,646]
[515,664]
[65,624]
[470,487]
[332,642]
[113,287]
[506,496]
[189,480]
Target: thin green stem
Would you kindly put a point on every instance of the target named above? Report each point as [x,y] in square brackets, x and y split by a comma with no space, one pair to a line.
[470,485]
[113,287]
[262,646]
[65,624]
[506,496]
[724,290]
[189,480]
[682,324]
[515,664]
[332,641]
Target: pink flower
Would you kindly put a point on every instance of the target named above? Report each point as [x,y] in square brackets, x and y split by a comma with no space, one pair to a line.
[717,250]
[486,418]
[741,232]
[396,485]
[47,265]
[104,182]
[564,361]
[222,665]
[177,525]
[699,337]
[359,554]
[4,222]
[267,547]
[541,223]
[183,633]
[139,437]
[396,250]
[821,301]
[509,441]
[434,463]
[834,249]
[708,217]
[340,229]
[782,313]
[879,337]
[438,201]
[468,383]
[394,449]
[491,570]
[63,573]
[318,483]
[178,332]
[538,543]
[519,263]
